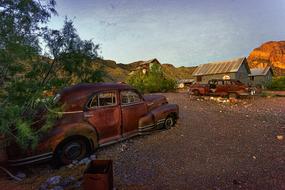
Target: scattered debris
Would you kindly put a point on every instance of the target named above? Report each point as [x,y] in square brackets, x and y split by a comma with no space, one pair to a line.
[280,137]
[53,180]
[60,183]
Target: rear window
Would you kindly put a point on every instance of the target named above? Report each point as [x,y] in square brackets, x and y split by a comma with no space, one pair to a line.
[129,97]
[103,99]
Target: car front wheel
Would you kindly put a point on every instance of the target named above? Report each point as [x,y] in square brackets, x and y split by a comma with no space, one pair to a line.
[71,150]
[169,122]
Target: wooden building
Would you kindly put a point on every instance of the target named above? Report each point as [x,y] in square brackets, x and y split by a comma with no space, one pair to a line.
[261,76]
[232,69]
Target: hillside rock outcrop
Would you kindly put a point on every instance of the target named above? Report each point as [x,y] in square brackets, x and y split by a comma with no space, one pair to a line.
[270,53]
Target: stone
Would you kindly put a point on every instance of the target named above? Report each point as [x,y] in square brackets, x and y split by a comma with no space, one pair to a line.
[53,180]
[68,181]
[84,161]
[21,175]
[57,188]
[93,157]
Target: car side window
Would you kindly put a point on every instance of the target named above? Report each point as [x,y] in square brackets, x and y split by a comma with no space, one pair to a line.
[130,97]
[103,99]
[227,82]
[220,82]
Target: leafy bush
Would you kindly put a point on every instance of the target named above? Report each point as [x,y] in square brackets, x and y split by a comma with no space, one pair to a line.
[26,77]
[277,83]
[152,81]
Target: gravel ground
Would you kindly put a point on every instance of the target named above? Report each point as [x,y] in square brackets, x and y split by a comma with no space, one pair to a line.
[213,146]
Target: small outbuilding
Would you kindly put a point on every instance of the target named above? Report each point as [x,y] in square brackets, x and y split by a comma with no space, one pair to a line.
[232,69]
[260,76]
[183,83]
[145,66]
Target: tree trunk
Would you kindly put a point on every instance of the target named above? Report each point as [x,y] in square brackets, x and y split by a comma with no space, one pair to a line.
[3,154]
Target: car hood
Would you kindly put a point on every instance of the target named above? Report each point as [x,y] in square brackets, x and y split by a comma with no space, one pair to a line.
[153,101]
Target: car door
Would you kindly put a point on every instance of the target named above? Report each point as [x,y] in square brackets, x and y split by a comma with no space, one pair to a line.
[133,108]
[104,113]
[220,88]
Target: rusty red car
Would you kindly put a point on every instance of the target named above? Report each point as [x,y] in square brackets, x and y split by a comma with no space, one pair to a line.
[96,115]
[219,87]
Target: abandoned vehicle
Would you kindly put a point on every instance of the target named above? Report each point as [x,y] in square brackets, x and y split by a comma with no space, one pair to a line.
[96,115]
[218,87]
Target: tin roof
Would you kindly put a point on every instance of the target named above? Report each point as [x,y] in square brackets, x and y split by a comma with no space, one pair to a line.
[229,66]
[260,71]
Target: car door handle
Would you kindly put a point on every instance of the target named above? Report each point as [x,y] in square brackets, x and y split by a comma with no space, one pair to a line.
[88,115]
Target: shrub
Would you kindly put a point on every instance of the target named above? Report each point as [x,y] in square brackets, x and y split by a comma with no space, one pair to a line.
[278,83]
[153,81]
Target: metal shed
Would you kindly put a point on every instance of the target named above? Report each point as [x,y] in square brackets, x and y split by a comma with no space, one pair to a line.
[231,69]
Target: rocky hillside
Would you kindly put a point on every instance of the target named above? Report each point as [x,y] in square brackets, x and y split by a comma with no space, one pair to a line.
[117,72]
[178,72]
[270,53]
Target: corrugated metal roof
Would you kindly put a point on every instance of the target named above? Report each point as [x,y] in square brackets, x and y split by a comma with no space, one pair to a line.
[230,66]
[259,71]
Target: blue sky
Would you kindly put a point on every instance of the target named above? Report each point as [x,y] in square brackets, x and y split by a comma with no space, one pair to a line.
[180,32]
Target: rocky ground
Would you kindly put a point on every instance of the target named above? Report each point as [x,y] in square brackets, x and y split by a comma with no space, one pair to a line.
[216,144]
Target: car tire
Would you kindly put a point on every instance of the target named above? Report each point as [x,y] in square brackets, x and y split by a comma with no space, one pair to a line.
[196,92]
[233,95]
[72,149]
[169,122]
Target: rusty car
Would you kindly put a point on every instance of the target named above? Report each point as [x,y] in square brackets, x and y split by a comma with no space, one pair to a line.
[96,115]
[220,87]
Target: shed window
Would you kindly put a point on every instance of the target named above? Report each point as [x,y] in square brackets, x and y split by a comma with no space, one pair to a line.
[251,78]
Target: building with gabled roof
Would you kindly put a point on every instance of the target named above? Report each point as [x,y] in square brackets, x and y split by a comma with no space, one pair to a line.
[232,69]
[260,76]
[145,66]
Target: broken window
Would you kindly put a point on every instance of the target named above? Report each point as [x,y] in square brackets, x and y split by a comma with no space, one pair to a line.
[129,97]
[103,99]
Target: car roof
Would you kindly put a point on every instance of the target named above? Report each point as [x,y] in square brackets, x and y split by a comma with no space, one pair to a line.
[86,89]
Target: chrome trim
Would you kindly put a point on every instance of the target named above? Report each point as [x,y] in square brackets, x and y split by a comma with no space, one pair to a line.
[161,120]
[31,159]
[146,126]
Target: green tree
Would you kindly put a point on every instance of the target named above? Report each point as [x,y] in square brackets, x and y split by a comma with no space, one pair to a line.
[26,76]
[20,22]
[153,81]
[71,55]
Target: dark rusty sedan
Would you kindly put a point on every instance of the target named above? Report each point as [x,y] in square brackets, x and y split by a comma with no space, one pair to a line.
[96,115]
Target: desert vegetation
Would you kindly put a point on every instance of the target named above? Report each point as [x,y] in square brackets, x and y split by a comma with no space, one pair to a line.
[277,83]
[152,81]
[35,62]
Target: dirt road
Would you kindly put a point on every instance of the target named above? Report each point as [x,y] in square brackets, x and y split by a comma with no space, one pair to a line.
[213,146]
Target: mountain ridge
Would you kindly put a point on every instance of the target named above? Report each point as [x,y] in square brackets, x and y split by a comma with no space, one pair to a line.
[271,53]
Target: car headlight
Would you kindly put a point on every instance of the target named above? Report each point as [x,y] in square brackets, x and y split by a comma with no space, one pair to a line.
[56,98]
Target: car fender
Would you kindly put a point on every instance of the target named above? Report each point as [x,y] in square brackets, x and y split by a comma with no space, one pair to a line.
[161,112]
[60,133]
